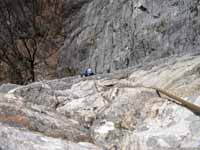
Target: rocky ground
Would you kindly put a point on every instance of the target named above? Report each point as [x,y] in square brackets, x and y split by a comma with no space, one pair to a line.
[98,113]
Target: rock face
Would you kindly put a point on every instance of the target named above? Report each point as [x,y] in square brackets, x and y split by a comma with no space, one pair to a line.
[114,34]
[104,112]
[21,139]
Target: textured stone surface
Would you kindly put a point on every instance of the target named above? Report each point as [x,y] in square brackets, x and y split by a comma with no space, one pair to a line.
[114,34]
[4,88]
[104,112]
[21,139]
[16,112]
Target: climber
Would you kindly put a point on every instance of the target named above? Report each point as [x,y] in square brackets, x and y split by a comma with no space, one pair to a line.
[88,72]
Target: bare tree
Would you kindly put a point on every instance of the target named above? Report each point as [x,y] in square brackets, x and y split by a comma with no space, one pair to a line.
[25,27]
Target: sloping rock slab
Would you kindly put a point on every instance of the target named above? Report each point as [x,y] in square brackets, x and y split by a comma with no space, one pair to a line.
[21,139]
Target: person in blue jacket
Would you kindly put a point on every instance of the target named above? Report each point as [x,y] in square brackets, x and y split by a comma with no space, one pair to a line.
[88,72]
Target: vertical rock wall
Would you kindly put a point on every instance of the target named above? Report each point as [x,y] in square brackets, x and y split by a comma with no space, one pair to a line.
[115,34]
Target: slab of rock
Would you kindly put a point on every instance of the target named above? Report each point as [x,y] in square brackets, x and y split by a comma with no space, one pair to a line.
[5,88]
[15,112]
[137,118]
[109,35]
[21,139]
[111,112]
[37,93]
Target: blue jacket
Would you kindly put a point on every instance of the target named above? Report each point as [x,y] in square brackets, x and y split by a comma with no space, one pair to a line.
[88,72]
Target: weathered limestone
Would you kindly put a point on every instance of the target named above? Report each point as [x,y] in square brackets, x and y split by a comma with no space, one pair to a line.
[22,139]
[105,112]
[115,34]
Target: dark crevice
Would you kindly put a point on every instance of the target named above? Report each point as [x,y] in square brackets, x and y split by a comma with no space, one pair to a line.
[144,9]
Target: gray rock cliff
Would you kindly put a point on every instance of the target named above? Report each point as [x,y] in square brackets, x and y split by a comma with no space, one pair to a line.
[115,34]
[106,112]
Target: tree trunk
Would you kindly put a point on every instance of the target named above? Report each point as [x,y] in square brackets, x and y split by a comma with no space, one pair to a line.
[32,72]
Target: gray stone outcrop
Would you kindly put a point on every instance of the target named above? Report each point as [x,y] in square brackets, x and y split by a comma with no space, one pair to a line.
[106,112]
[108,35]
